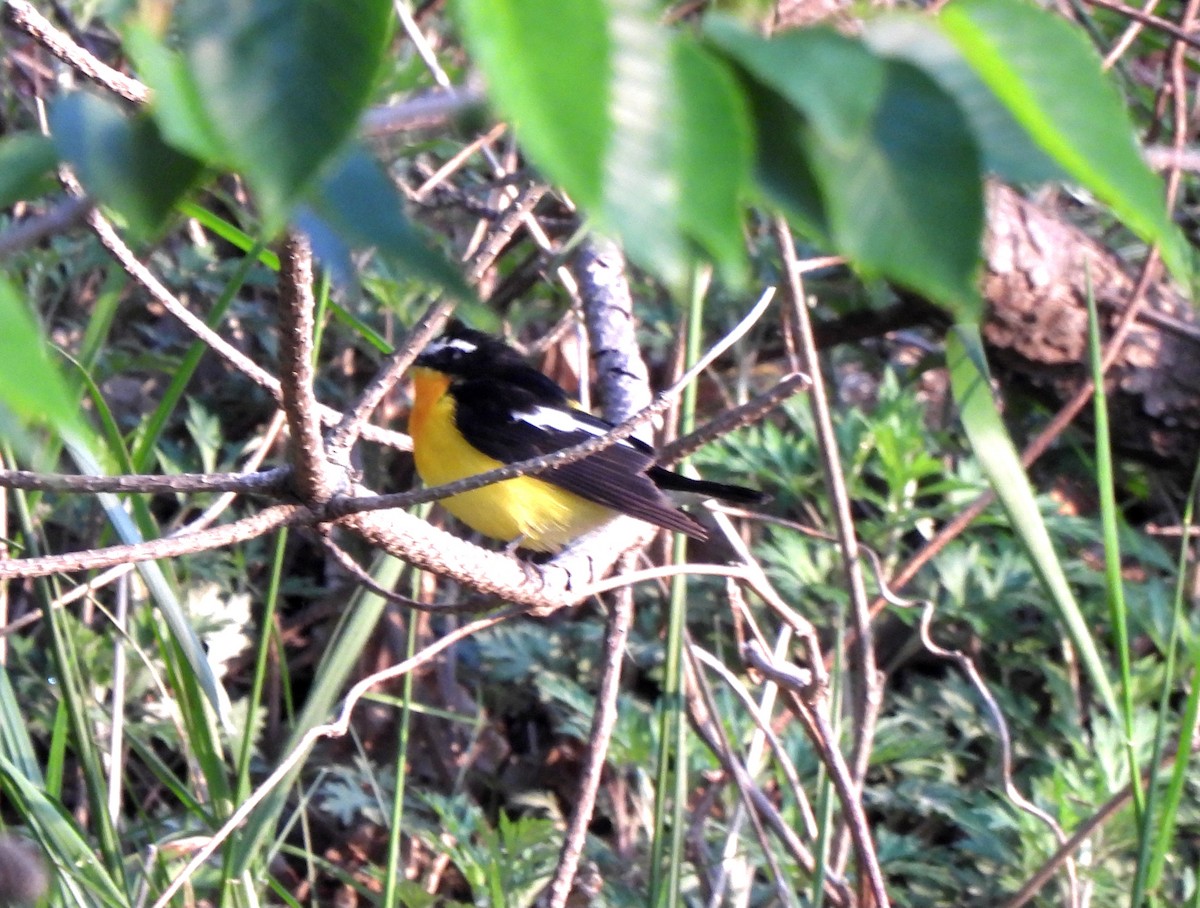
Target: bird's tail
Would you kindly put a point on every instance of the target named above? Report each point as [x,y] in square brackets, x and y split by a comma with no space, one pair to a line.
[673,482]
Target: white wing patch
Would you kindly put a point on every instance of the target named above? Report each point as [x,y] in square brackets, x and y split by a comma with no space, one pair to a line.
[561,421]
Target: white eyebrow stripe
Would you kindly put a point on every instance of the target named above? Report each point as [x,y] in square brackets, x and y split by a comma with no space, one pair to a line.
[561,421]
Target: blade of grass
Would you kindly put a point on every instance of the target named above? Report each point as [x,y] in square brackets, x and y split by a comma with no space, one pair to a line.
[86,741]
[340,659]
[1158,828]
[266,639]
[672,775]
[161,591]
[82,873]
[1114,587]
[991,444]
[393,870]
[15,743]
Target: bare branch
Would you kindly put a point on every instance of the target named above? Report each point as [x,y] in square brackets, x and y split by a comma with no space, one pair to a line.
[622,375]
[247,528]
[364,579]
[702,709]
[813,700]
[1165,26]
[604,719]
[420,112]
[749,413]
[31,231]
[22,15]
[312,475]
[267,482]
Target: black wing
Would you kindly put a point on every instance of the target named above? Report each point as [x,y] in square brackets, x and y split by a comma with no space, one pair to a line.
[489,415]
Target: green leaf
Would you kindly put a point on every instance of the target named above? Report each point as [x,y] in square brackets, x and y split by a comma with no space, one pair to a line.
[643,194]
[833,80]
[907,201]
[548,66]
[1008,150]
[26,167]
[354,205]
[123,162]
[1045,72]
[972,388]
[175,102]
[30,384]
[59,837]
[782,169]
[641,127]
[283,83]
[869,155]
[716,155]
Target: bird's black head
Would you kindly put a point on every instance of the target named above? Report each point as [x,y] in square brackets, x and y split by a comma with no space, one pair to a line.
[466,353]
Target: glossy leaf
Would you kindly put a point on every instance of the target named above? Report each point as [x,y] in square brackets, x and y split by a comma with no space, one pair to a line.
[283,83]
[175,102]
[122,161]
[868,155]
[906,202]
[26,167]
[833,80]
[1044,70]
[642,186]
[355,206]
[548,66]
[1008,150]
[716,156]
[643,130]
[782,169]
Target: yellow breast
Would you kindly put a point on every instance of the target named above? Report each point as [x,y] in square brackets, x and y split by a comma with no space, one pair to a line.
[543,516]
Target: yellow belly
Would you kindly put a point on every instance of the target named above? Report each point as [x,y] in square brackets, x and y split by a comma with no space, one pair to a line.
[543,516]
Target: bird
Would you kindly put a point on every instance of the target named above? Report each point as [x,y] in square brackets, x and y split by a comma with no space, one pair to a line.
[478,405]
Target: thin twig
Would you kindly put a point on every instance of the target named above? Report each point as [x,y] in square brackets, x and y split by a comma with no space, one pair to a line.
[996,714]
[336,729]
[364,579]
[29,232]
[243,530]
[749,413]
[1082,833]
[206,518]
[1127,38]
[702,710]
[22,15]
[516,213]
[117,247]
[762,722]
[806,698]
[604,719]
[866,681]
[455,161]
[1163,25]
[420,112]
